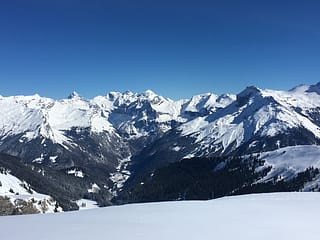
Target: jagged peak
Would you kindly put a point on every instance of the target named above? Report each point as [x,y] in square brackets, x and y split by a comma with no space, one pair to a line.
[129,96]
[249,92]
[244,96]
[204,103]
[149,92]
[149,95]
[202,97]
[74,95]
[128,92]
[113,95]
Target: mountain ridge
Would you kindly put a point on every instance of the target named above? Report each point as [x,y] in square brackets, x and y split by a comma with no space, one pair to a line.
[120,137]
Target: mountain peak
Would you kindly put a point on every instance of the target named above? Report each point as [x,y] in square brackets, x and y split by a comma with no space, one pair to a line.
[112,96]
[74,95]
[244,96]
[250,90]
[129,93]
[315,88]
[149,93]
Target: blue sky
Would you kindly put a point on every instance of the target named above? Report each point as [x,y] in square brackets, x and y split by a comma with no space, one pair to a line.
[175,48]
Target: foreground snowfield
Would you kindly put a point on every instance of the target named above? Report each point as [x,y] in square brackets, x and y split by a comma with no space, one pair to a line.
[260,216]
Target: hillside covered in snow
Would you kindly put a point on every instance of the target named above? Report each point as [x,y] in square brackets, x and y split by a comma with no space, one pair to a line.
[265,216]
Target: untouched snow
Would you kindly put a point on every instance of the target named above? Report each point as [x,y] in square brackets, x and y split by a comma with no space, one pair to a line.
[10,185]
[266,216]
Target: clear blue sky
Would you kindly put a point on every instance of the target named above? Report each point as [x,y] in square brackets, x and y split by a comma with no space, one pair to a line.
[176,48]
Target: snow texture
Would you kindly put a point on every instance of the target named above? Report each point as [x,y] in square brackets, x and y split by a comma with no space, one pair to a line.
[266,216]
[287,162]
[14,189]
[85,204]
[8,182]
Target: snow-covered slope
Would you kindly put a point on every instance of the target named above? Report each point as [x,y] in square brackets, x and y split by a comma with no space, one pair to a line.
[10,185]
[140,115]
[205,104]
[35,116]
[288,162]
[249,217]
[22,197]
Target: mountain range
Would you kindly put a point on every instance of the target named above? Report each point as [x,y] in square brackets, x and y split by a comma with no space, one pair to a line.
[129,147]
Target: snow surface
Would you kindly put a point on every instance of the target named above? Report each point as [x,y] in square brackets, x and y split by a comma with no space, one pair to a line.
[287,162]
[8,182]
[266,216]
[85,204]
[208,101]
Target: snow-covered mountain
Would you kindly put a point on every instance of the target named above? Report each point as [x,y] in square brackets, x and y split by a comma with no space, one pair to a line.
[117,116]
[259,114]
[109,139]
[96,137]
[257,121]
